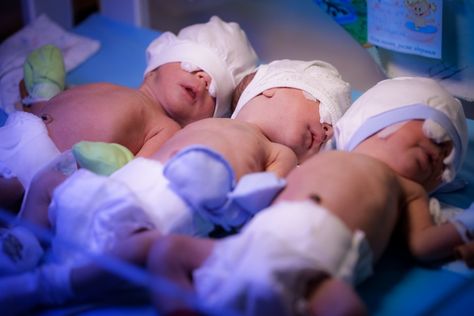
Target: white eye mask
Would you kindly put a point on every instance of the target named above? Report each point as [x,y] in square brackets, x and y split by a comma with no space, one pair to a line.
[386,132]
[310,97]
[192,68]
[438,134]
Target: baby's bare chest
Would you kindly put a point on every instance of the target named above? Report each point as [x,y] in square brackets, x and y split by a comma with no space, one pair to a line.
[115,118]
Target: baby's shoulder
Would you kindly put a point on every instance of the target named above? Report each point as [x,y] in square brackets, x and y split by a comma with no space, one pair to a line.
[411,189]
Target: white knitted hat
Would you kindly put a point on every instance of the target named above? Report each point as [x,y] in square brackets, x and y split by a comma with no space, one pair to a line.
[320,79]
[219,48]
[400,99]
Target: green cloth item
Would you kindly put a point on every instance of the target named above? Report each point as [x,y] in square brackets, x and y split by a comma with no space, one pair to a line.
[101,158]
[44,73]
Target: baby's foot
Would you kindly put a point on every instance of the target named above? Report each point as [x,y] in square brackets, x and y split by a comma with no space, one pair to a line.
[19,250]
[101,158]
[43,74]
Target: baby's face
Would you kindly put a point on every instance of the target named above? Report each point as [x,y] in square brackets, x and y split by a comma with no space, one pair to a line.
[184,95]
[410,153]
[287,117]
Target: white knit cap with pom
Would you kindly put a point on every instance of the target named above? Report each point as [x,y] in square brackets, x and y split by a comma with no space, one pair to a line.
[320,79]
[219,48]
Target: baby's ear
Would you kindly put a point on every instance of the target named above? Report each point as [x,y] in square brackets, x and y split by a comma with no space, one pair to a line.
[269,92]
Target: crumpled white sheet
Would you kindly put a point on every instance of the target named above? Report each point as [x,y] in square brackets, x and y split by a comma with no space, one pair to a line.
[13,52]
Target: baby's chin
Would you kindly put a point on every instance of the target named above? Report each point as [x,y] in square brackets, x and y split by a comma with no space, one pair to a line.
[302,158]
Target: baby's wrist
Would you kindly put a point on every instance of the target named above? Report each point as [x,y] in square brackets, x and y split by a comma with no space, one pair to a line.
[464,224]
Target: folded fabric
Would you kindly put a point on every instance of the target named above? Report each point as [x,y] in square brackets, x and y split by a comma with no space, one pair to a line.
[13,52]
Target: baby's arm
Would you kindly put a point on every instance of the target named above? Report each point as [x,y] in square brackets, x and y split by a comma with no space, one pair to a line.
[39,194]
[154,142]
[175,258]
[282,160]
[427,241]
[466,253]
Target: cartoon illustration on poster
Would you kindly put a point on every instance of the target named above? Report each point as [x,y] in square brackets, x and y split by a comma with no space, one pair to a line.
[408,26]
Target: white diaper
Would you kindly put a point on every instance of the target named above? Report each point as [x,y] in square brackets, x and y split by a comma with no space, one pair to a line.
[25,146]
[90,213]
[94,212]
[261,270]
[168,212]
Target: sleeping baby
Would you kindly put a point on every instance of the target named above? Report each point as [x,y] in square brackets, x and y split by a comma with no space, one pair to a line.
[324,232]
[215,172]
[188,77]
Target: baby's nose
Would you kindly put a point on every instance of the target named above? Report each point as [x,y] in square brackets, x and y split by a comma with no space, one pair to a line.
[328,130]
[202,75]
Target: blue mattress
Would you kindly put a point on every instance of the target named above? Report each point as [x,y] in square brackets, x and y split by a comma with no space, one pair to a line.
[398,287]
[121,57]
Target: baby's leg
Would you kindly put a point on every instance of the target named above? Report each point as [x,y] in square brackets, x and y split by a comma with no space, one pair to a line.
[43,74]
[11,193]
[39,194]
[175,258]
[93,281]
[332,296]
[20,249]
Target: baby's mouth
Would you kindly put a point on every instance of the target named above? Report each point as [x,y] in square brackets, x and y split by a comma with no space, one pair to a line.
[316,141]
[312,141]
[190,91]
